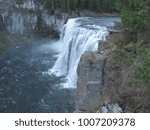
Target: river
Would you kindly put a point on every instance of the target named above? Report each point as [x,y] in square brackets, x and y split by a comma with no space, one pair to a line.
[30,80]
[24,87]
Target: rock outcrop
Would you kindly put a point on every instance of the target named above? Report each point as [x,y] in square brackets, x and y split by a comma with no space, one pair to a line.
[94,86]
[90,87]
[28,16]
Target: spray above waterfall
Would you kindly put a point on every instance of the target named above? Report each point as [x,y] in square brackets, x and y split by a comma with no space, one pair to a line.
[77,37]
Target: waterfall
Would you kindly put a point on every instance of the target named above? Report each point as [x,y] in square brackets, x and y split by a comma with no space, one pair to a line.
[76,39]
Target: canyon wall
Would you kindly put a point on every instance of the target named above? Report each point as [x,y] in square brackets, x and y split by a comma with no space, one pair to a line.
[96,76]
[28,16]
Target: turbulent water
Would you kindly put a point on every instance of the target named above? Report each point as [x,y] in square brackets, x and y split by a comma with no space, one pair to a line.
[24,87]
[32,76]
[79,35]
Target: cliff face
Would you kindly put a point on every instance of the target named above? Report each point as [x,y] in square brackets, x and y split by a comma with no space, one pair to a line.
[95,84]
[20,20]
[28,16]
[107,81]
[90,82]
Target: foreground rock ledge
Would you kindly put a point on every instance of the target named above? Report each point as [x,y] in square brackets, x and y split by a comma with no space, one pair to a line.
[91,88]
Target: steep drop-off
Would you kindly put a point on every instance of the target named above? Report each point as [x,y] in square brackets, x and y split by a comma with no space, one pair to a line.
[92,89]
[107,82]
[28,16]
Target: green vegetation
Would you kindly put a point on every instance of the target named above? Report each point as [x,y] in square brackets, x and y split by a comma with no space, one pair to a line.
[135,18]
[99,6]
[136,46]
[132,56]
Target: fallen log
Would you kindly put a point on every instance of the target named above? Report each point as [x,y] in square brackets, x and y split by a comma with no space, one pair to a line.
[115,31]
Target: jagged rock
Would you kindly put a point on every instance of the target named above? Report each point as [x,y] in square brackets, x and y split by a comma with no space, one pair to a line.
[103,110]
[110,108]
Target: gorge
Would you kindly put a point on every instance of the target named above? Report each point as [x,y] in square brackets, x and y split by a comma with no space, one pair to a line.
[41,76]
[78,36]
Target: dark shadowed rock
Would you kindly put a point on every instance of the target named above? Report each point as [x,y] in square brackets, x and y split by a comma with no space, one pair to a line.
[89,88]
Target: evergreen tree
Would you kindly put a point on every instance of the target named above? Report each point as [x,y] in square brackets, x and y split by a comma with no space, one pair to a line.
[71,5]
[135,17]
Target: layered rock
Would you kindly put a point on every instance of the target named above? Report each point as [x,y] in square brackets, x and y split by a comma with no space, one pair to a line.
[28,16]
[90,87]
[95,87]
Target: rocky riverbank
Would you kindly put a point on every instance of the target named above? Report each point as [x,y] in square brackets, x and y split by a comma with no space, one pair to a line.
[98,76]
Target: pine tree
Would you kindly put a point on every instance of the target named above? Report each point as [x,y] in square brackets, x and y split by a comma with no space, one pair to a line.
[135,17]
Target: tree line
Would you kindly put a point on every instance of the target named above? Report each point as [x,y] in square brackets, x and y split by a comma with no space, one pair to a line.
[135,15]
[78,5]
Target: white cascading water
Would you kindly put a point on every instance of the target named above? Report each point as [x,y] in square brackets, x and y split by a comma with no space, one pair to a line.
[76,39]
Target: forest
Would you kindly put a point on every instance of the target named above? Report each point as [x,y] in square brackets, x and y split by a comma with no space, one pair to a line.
[135,17]
[78,5]
[133,52]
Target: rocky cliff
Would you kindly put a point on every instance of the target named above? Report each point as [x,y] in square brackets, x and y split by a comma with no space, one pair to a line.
[96,80]
[28,16]
[22,20]
[108,82]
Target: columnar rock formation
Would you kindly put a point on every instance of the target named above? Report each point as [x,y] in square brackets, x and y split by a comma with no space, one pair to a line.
[95,88]
[28,16]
